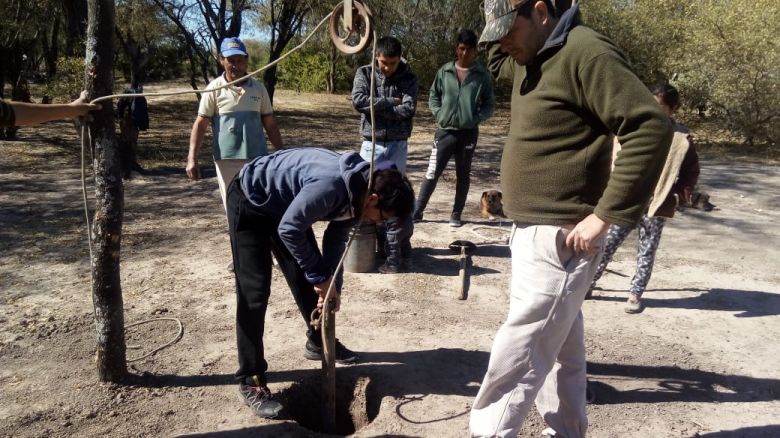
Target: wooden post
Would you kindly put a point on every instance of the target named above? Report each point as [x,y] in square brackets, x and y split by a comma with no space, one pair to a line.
[328,368]
[109,196]
[464,261]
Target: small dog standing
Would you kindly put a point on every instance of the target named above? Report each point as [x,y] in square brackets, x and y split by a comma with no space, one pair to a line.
[491,205]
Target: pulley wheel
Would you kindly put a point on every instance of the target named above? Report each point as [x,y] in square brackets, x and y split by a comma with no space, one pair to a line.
[355,40]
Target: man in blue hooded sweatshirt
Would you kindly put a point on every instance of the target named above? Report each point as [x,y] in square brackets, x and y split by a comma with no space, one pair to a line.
[271,207]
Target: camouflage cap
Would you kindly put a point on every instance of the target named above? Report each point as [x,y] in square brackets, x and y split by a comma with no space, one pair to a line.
[499,17]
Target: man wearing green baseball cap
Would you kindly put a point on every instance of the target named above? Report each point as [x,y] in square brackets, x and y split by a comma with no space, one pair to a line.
[573,91]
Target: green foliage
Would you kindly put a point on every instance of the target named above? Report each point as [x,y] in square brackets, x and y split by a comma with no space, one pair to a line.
[650,32]
[146,35]
[69,81]
[258,53]
[737,40]
[427,30]
[721,54]
[307,70]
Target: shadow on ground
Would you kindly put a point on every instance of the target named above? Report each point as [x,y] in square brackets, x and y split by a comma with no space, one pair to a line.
[444,262]
[414,374]
[746,303]
[285,430]
[770,431]
[675,384]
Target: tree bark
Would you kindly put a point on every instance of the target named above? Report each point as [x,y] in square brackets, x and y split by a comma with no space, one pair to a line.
[109,197]
[285,24]
[331,78]
[51,51]
[76,17]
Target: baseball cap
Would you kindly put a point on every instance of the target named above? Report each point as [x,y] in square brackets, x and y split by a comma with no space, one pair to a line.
[232,46]
[499,17]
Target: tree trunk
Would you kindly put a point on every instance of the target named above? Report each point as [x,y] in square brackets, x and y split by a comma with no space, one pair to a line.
[3,55]
[76,17]
[20,92]
[109,197]
[269,80]
[50,43]
[331,78]
[285,24]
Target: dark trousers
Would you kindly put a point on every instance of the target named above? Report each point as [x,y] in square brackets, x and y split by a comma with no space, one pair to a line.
[253,236]
[394,236]
[446,144]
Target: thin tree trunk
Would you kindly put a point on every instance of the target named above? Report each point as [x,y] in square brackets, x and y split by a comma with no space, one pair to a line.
[75,15]
[109,197]
[331,78]
[269,80]
[51,52]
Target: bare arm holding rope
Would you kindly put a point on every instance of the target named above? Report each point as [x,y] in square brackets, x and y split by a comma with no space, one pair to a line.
[23,114]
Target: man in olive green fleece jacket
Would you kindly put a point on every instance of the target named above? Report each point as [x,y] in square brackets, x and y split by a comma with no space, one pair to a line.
[461,98]
[572,91]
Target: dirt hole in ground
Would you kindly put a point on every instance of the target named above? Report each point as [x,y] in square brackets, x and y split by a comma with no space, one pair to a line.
[355,405]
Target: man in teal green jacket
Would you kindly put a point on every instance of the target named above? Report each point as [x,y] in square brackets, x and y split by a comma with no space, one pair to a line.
[461,97]
[572,92]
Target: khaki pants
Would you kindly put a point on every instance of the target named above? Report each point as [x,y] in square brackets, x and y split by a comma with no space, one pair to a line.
[226,171]
[539,352]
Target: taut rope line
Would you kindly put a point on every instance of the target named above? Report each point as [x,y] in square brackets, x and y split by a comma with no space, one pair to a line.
[87,141]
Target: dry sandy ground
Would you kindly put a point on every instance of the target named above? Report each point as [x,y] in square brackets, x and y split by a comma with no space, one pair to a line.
[702,360]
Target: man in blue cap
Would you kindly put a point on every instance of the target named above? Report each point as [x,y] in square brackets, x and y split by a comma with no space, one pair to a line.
[237,115]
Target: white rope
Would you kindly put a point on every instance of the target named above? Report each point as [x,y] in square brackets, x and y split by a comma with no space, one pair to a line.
[356,228]
[178,336]
[488,241]
[85,127]
[87,140]
[241,79]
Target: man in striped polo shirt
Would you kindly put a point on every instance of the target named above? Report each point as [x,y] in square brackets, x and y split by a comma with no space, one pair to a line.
[237,115]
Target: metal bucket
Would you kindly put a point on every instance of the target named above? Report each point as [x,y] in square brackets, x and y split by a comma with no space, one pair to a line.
[361,256]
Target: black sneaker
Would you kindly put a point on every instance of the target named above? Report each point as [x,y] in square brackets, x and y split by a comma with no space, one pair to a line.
[388,268]
[260,400]
[344,355]
[455,220]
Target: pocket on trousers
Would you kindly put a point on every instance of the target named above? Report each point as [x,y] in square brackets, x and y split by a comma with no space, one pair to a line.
[564,254]
[549,242]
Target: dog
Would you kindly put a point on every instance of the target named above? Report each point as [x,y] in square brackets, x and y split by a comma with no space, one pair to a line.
[491,205]
[701,201]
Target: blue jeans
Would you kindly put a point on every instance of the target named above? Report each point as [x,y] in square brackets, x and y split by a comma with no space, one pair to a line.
[395,151]
[395,233]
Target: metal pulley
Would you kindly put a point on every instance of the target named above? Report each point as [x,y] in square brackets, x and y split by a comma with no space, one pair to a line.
[351,26]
